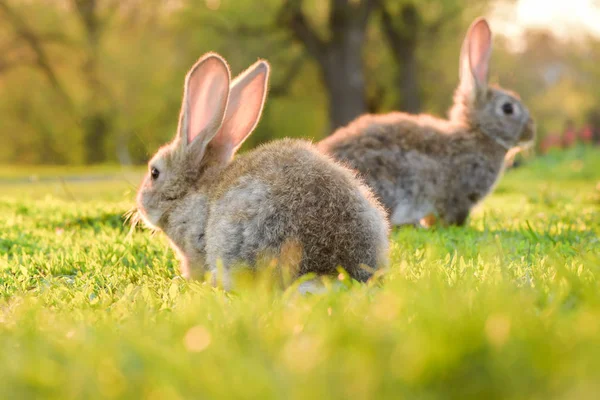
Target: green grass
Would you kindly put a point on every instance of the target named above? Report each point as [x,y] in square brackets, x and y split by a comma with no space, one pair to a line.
[506,308]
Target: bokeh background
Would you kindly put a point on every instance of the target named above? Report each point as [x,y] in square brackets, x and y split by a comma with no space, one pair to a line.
[100,81]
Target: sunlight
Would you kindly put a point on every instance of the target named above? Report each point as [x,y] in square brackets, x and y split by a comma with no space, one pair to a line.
[570,19]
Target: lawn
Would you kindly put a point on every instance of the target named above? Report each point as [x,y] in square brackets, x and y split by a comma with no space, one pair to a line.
[506,308]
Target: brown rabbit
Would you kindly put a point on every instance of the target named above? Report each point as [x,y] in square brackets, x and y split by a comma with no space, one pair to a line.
[284,197]
[419,165]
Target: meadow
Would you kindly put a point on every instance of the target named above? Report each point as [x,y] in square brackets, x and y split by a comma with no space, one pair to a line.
[507,307]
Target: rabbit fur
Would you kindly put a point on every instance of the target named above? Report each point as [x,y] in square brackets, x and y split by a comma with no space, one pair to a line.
[284,200]
[420,166]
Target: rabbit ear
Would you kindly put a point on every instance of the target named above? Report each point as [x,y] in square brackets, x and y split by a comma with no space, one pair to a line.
[475,56]
[204,101]
[246,100]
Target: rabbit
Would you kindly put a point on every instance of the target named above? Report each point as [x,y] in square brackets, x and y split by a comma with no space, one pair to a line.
[421,167]
[282,199]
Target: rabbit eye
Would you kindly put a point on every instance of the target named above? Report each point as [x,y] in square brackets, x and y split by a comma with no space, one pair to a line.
[154,173]
[507,108]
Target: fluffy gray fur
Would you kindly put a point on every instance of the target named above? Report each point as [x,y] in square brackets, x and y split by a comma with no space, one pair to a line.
[420,166]
[284,200]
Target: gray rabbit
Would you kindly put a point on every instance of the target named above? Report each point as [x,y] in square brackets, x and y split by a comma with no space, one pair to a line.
[420,166]
[284,199]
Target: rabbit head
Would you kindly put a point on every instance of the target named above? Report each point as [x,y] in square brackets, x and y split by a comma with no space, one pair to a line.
[217,115]
[494,111]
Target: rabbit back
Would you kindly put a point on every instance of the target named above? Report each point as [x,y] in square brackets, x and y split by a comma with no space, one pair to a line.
[287,196]
[418,165]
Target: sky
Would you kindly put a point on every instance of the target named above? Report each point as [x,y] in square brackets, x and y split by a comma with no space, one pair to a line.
[566,18]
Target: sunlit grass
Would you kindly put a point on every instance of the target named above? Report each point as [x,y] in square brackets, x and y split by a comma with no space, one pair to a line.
[508,307]
[71,183]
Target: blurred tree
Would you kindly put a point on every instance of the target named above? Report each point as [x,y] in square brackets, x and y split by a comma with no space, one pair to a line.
[24,47]
[93,117]
[72,45]
[339,56]
[97,117]
[35,43]
[403,39]
[87,81]
[407,26]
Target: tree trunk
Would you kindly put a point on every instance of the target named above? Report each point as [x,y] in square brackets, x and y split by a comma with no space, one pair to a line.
[343,76]
[408,79]
[339,57]
[95,128]
[402,33]
[96,122]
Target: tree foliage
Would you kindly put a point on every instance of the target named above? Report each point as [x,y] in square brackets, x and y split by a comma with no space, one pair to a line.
[92,81]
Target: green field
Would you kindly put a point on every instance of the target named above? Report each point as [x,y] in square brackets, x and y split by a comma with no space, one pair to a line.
[505,308]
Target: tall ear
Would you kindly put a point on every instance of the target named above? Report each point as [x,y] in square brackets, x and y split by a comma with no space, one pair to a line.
[204,101]
[475,56]
[246,100]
